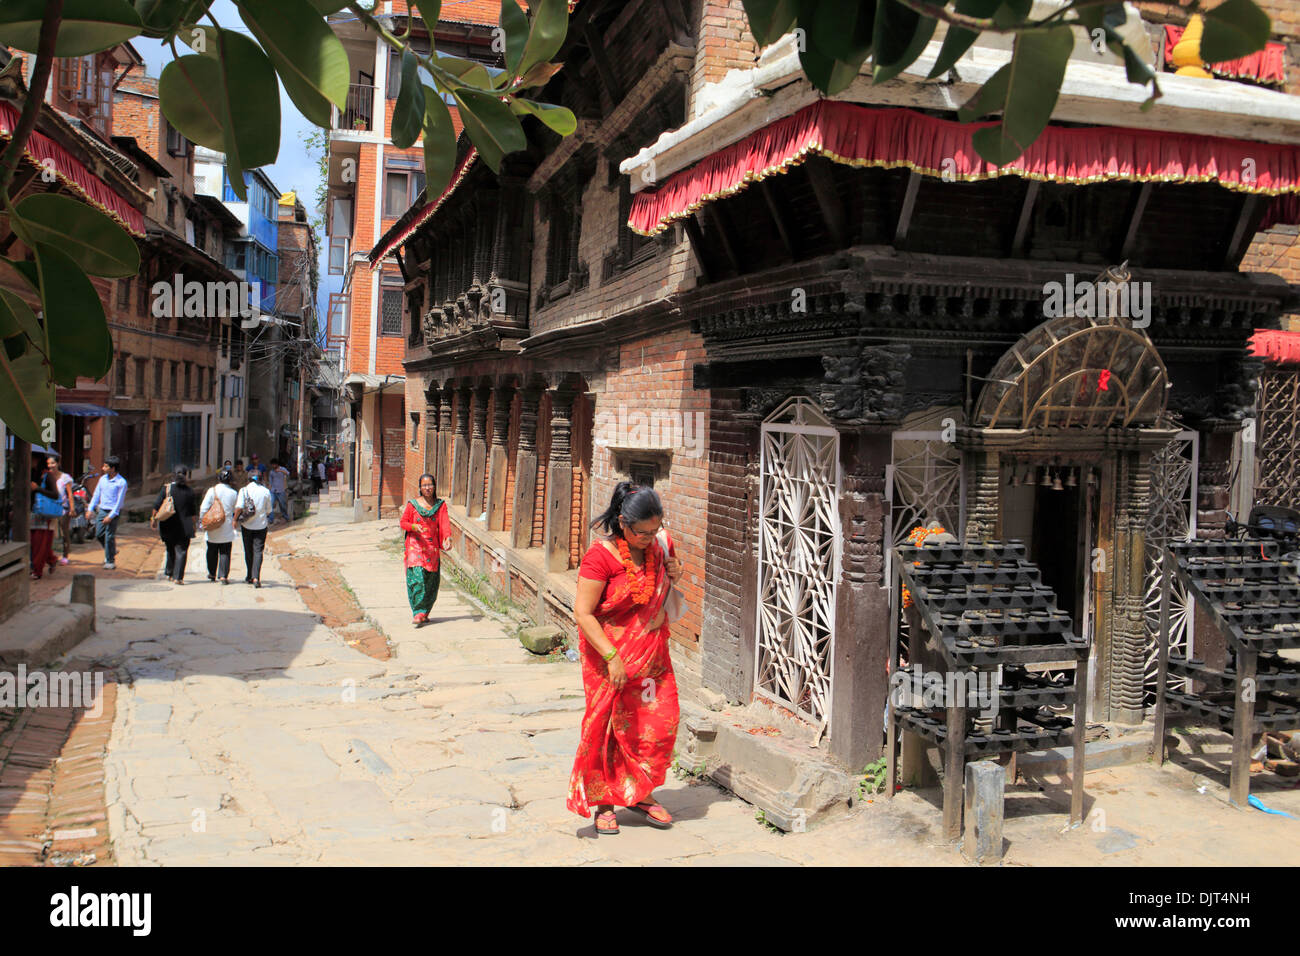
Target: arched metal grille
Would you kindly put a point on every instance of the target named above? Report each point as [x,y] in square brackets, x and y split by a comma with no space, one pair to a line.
[1172,517]
[798,558]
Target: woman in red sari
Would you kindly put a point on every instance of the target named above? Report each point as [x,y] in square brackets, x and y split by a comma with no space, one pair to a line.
[630,725]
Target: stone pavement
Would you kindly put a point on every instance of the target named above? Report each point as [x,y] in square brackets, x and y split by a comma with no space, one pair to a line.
[249,732]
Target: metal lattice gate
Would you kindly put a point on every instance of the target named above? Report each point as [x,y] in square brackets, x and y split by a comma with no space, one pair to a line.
[1278,450]
[798,557]
[924,483]
[1172,517]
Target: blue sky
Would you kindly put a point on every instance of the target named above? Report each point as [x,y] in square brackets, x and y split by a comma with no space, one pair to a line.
[294,170]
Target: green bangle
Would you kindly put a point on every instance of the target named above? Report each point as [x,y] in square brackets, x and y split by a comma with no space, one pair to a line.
[610,656]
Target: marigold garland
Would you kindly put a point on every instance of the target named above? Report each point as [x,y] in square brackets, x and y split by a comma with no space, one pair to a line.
[917,536]
[641,582]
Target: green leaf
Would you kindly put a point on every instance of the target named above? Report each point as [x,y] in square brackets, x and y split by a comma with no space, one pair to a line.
[427,10]
[1136,69]
[769,20]
[162,18]
[74,318]
[310,59]
[829,75]
[184,89]
[1011,12]
[326,7]
[1234,29]
[90,238]
[17,318]
[558,118]
[26,392]
[924,30]
[514,23]
[439,145]
[958,40]
[988,98]
[230,103]
[467,71]
[841,29]
[87,26]
[494,129]
[408,111]
[550,24]
[539,75]
[1030,84]
[895,26]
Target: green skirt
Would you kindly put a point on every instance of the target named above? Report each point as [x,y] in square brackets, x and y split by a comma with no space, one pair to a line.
[421,589]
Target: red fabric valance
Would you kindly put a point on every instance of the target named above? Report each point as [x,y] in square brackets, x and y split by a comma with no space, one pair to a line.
[1276,346]
[74,175]
[1266,66]
[863,136]
[393,244]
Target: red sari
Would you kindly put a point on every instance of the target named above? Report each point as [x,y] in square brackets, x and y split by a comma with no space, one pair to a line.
[627,737]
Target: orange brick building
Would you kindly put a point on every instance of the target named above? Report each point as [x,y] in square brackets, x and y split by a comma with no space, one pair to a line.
[371,185]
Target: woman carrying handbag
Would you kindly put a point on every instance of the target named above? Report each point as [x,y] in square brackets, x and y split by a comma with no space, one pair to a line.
[218,522]
[174,512]
[47,509]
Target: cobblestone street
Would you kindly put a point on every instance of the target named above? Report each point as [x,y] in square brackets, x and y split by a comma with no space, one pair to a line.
[310,723]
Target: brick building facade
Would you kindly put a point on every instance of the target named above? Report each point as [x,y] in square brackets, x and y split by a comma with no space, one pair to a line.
[371,185]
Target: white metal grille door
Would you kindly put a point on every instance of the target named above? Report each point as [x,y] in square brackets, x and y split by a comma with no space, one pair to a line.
[924,484]
[1172,517]
[798,556]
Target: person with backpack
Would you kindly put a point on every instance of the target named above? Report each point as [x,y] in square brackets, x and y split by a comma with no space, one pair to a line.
[217,519]
[174,511]
[251,510]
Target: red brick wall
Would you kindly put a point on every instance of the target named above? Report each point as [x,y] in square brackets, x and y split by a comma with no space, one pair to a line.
[723,42]
[1276,251]
[666,397]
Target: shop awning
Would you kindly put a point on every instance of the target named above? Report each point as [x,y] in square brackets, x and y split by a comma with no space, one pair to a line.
[392,243]
[73,174]
[857,135]
[83,411]
[1276,346]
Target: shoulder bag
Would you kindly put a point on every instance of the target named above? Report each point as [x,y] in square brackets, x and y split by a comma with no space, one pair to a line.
[47,507]
[675,605]
[168,507]
[215,515]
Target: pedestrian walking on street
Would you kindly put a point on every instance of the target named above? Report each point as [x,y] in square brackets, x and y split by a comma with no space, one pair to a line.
[318,475]
[106,507]
[252,507]
[46,511]
[63,483]
[277,482]
[238,477]
[176,524]
[428,532]
[630,724]
[219,534]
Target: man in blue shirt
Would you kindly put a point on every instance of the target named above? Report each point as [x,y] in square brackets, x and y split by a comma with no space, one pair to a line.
[106,506]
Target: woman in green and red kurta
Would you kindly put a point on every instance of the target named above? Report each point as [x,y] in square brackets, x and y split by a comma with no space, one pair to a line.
[428,531]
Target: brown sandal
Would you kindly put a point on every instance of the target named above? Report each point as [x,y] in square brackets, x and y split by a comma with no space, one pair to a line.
[607,817]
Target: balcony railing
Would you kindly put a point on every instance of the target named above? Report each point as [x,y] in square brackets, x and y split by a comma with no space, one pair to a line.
[359,110]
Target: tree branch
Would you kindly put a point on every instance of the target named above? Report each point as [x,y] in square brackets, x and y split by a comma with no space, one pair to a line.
[937,11]
[35,95]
